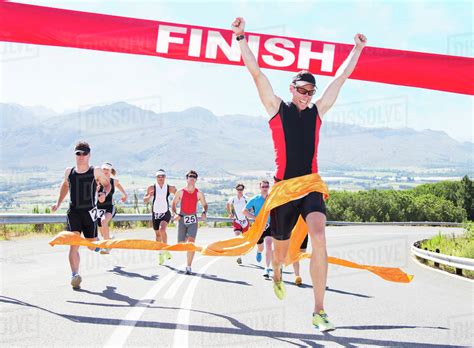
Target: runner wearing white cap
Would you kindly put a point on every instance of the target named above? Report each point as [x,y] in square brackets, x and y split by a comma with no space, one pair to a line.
[234,206]
[106,209]
[160,210]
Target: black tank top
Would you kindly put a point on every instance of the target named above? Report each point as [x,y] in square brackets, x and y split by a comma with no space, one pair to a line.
[109,198]
[295,139]
[82,189]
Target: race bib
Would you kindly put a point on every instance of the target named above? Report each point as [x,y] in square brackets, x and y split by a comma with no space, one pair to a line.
[190,219]
[96,214]
[159,216]
[243,223]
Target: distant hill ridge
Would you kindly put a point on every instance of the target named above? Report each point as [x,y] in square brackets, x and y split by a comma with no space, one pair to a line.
[140,140]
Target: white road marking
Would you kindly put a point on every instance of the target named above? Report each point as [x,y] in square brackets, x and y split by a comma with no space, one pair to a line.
[173,288]
[181,334]
[122,332]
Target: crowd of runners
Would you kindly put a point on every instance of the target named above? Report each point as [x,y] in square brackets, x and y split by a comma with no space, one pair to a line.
[92,208]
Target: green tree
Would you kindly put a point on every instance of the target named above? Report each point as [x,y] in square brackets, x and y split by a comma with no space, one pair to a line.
[467,191]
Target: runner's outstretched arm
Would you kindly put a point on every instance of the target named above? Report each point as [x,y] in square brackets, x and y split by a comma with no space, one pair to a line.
[269,100]
[330,93]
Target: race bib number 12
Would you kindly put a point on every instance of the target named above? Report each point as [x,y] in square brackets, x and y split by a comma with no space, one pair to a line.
[96,214]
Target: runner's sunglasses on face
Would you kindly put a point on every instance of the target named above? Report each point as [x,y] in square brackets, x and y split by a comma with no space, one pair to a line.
[305,91]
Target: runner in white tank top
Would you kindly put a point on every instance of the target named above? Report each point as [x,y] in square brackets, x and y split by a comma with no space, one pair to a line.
[160,210]
[235,206]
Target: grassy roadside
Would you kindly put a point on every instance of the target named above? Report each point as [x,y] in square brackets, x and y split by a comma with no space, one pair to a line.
[460,246]
[14,232]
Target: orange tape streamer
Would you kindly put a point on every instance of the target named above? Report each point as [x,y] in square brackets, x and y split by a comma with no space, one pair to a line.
[282,192]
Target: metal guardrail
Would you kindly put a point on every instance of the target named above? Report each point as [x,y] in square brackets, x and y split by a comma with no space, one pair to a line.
[15,219]
[460,263]
[21,219]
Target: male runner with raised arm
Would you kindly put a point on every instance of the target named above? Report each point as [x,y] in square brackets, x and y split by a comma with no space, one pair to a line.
[295,132]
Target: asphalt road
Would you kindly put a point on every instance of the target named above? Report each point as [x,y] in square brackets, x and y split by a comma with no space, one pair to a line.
[127,299]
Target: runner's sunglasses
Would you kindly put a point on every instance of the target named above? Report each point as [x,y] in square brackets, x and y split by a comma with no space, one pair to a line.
[304,91]
[81,153]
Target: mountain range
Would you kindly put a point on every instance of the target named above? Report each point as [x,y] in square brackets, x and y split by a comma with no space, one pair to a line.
[141,141]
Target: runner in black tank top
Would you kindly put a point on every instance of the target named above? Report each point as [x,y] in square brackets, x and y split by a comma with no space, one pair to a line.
[83,202]
[295,132]
[106,210]
[81,183]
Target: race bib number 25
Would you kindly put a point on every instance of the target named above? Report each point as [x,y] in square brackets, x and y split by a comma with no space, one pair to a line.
[189,219]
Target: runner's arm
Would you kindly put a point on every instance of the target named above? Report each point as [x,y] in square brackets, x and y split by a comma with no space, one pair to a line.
[248,214]
[265,91]
[100,192]
[149,192]
[202,199]
[63,190]
[103,180]
[122,190]
[173,189]
[176,200]
[330,93]
[229,209]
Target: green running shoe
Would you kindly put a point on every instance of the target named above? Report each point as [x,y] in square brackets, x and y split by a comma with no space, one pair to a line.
[161,258]
[321,322]
[279,289]
[167,255]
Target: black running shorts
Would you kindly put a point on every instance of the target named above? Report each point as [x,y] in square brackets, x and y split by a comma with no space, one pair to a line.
[284,217]
[265,233]
[157,218]
[81,221]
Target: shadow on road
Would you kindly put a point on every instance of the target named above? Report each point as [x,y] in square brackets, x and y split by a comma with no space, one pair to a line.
[209,276]
[244,330]
[110,293]
[120,271]
[252,265]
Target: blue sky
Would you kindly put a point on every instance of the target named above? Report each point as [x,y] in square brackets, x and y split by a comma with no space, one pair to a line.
[71,79]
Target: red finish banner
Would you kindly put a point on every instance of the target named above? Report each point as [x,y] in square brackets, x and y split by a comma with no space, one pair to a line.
[56,27]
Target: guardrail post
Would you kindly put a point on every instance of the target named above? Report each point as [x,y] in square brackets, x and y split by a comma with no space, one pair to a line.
[459,271]
[436,264]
